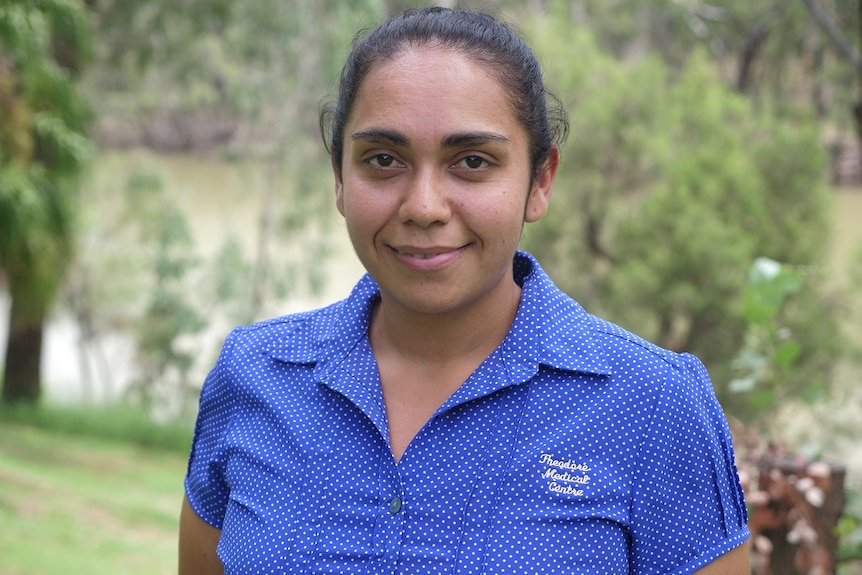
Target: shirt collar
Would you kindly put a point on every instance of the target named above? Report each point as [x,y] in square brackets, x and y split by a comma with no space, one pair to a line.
[324,337]
[550,329]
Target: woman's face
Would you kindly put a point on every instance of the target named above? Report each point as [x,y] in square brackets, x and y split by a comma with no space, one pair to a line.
[435,183]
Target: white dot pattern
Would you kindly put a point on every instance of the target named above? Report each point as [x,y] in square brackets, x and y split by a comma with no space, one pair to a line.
[576,447]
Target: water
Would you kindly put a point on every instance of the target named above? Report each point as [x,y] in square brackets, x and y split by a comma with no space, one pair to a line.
[219,200]
[846,239]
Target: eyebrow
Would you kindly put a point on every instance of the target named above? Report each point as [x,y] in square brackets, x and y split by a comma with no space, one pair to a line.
[381,136]
[459,140]
[469,139]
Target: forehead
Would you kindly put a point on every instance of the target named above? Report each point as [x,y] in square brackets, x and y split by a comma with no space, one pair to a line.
[429,89]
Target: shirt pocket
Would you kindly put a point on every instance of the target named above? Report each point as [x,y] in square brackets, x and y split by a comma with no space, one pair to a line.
[560,513]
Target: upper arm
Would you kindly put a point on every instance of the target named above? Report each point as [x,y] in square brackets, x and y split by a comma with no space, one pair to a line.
[197,544]
[687,501]
[735,562]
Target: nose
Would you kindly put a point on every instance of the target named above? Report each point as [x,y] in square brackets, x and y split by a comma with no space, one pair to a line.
[425,200]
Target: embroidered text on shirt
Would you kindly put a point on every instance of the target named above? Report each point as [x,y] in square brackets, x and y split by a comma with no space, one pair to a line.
[570,480]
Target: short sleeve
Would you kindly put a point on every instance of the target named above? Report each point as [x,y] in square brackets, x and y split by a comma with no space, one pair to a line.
[205,484]
[688,507]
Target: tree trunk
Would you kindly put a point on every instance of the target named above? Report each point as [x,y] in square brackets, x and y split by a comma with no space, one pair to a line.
[857,108]
[753,44]
[818,93]
[22,368]
[857,117]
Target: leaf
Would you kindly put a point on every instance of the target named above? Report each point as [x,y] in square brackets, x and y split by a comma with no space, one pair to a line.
[763,399]
[743,384]
[786,353]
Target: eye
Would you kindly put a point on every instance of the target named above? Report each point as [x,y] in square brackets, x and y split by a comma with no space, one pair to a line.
[472,162]
[382,160]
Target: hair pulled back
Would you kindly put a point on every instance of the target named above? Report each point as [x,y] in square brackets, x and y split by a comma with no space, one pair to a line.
[476,35]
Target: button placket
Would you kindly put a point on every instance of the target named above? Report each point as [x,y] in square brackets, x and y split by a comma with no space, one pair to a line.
[390,526]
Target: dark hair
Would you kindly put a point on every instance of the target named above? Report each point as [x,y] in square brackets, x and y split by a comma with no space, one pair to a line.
[477,35]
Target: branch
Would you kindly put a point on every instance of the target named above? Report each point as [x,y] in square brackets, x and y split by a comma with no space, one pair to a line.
[838,39]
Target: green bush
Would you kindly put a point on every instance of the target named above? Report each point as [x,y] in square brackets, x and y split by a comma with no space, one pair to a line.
[670,186]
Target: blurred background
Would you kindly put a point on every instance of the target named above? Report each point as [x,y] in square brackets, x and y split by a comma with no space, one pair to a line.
[162,179]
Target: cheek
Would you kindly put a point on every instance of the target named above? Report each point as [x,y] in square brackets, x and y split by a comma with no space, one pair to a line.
[501,223]
[507,211]
[364,211]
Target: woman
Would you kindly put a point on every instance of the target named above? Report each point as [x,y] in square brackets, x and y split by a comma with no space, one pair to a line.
[457,413]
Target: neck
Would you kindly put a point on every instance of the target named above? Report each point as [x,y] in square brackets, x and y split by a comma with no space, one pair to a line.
[438,339]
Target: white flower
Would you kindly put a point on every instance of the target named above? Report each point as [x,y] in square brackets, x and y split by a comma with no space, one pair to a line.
[819,469]
[815,496]
[767,268]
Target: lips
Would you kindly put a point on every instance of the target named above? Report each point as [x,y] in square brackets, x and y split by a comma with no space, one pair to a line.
[427,258]
[423,254]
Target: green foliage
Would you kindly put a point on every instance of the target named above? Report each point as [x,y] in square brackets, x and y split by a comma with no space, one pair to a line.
[849,530]
[671,186]
[42,144]
[770,350]
[170,314]
[231,274]
[137,271]
[43,148]
[676,183]
[140,274]
[259,68]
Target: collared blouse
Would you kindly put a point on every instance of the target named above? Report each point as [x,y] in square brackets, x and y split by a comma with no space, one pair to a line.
[574,448]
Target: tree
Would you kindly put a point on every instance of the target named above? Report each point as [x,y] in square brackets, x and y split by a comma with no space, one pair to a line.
[769,50]
[167,73]
[670,187]
[259,68]
[42,150]
[844,46]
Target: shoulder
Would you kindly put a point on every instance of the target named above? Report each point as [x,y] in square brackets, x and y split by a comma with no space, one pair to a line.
[567,337]
[625,350]
[677,384]
[309,336]
[294,335]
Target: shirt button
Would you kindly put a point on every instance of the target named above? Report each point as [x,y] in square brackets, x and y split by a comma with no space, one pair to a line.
[395,505]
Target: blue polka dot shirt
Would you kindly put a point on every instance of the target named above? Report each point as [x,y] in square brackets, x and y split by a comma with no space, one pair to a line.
[575,447]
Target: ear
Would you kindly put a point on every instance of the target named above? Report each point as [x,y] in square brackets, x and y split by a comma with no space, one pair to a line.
[543,187]
[339,188]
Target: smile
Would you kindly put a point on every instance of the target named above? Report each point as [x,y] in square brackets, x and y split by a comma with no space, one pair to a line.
[427,259]
[425,254]
[418,256]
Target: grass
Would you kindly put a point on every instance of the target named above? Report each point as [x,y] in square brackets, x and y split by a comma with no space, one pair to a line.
[72,502]
[117,422]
